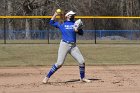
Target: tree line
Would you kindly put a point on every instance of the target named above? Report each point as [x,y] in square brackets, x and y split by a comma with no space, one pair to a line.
[81,7]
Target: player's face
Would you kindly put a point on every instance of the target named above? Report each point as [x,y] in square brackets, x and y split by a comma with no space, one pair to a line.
[71,17]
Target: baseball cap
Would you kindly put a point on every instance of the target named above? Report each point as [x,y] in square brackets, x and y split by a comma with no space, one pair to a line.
[70,13]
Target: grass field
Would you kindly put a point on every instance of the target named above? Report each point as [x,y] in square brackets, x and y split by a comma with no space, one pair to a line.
[44,54]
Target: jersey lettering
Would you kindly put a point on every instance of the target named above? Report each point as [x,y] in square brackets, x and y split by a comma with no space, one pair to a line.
[68,26]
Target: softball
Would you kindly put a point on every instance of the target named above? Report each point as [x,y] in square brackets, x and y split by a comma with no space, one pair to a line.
[58,10]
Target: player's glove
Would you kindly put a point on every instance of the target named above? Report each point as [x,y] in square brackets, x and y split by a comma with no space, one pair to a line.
[78,25]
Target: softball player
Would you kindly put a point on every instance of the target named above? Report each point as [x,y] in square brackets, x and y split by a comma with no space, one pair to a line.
[67,45]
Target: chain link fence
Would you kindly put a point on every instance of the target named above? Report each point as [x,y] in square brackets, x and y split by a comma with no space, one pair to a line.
[54,37]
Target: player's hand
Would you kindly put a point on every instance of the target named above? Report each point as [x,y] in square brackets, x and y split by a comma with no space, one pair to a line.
[54,16]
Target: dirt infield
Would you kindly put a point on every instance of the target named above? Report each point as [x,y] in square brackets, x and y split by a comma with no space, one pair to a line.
[105,79]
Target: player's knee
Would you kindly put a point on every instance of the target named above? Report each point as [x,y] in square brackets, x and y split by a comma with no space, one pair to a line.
[58,65]
[81,62]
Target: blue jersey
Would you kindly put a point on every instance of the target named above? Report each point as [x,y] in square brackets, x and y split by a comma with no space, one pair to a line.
[66,28]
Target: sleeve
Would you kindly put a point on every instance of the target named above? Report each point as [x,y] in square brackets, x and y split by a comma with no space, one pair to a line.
[80,32]
[54,24]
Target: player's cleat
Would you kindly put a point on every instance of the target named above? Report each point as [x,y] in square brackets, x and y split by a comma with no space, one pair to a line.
[85,80]
[45,80]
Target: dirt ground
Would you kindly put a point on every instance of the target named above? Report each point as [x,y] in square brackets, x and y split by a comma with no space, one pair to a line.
[105,79]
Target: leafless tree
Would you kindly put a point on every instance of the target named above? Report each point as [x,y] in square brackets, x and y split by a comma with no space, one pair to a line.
[82,7]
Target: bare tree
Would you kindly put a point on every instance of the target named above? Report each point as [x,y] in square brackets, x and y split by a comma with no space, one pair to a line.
[10,21]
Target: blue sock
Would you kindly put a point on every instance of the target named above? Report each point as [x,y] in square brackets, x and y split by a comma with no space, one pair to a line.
[52,71]
[82,71]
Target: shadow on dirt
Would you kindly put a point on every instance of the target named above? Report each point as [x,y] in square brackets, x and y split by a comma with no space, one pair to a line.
[78,80]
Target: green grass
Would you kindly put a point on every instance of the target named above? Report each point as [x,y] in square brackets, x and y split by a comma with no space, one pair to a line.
[118,41]
[36,55]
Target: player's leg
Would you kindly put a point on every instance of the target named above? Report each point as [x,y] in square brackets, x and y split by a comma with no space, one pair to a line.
[75,52]
[62,52]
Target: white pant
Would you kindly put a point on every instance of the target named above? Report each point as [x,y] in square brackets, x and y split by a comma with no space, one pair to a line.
[72,49]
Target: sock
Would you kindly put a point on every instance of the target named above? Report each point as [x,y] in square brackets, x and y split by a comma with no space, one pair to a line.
[52,71]
[82,71]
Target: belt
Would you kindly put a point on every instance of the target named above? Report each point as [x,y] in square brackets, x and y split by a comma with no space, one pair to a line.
[68,42]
